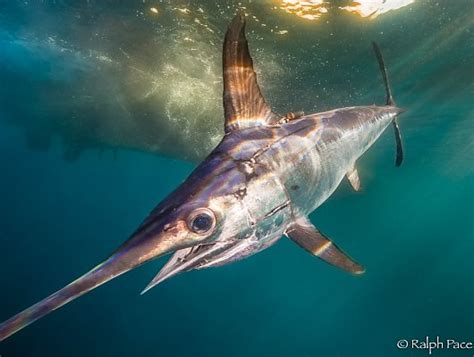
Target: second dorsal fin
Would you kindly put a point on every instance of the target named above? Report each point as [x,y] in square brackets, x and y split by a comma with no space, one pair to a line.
[244,104]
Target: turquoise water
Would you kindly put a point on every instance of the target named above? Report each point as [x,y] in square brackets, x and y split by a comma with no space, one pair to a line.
[411,227]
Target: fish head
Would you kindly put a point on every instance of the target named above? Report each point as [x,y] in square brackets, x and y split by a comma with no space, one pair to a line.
[205,208]
[230,213]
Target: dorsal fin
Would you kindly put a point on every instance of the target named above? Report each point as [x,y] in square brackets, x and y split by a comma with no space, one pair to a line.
[244,105]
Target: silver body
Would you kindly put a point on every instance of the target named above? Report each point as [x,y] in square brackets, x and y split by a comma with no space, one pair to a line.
[259,184]
[287,171]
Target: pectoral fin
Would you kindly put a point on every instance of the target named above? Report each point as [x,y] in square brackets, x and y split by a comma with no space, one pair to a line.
[353,177]
[307,236]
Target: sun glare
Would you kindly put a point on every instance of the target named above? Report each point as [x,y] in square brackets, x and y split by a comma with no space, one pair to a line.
[374,8]
[314,9]
[310,10]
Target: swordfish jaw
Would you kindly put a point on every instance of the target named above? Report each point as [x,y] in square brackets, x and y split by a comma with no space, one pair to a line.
[211,255]
[188,259]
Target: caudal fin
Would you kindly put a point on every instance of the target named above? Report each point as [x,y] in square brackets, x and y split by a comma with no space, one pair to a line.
[390,101]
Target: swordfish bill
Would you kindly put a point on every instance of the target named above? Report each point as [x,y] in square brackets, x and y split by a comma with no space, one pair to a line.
[259,184]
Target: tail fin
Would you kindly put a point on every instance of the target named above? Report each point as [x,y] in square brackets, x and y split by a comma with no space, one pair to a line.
[391,102]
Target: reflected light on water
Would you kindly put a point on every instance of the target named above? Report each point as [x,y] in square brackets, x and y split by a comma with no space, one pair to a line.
[374,8]
[310,10]
[314,9]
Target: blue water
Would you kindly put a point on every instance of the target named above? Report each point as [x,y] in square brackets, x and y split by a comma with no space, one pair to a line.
[411,227]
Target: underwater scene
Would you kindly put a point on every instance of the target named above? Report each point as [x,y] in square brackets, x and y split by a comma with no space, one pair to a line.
[106,107]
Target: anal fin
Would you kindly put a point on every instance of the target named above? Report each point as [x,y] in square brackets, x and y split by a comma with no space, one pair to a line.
[307,236]
[353,177]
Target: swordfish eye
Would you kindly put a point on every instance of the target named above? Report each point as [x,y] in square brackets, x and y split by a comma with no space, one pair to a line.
[201,221]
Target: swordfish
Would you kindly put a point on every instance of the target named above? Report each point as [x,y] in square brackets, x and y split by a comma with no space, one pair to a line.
[259,184]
